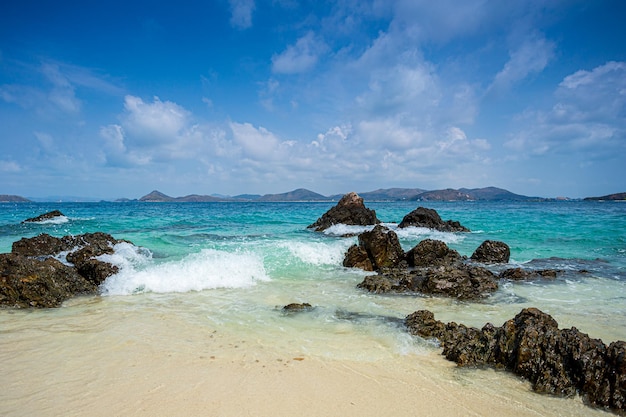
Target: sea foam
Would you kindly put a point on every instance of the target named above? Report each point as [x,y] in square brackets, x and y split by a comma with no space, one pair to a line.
[208,269]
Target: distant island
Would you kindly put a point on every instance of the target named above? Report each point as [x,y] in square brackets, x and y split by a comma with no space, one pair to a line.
[610,197]
[304,195]
[390,194]
[5,198]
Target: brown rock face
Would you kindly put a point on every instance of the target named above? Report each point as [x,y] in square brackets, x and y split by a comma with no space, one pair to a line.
[350,210]
[492,252]
[431,252]
[425,217]
[29,282]
[560,362]
[377,249]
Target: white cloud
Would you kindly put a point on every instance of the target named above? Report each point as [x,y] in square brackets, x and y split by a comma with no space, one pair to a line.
[256,143]
[587,117]
[531,57]
[300,57]
[159,121]
[241,13]
[9,166]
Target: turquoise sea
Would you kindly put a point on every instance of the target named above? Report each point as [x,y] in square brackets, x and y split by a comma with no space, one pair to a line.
[232,266]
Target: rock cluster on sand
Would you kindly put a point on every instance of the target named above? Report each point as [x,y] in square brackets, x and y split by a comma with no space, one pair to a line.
[31,277]
[425,217]
[350,210]
[428,268]
[560,362]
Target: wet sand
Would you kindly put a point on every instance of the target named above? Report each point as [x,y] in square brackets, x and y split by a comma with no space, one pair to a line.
[110,363]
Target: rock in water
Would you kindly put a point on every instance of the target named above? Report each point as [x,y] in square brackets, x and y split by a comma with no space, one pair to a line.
[349,210]
[425,217]
[378,248]
[46,216]
[492,252]
[30,282]
[560,362]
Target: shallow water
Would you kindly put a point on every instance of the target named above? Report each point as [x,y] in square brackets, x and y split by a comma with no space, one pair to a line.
[224,270]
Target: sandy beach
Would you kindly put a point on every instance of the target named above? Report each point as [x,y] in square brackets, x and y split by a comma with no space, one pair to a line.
[111,363]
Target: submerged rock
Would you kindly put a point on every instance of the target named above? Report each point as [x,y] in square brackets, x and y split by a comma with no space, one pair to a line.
[519,274]
[297,307]
[560,362]
[350,210]
[492,252]
[425,217]
[46,216]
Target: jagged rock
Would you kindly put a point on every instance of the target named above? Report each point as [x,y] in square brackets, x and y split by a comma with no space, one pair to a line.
[31,277]
[492,252]
[560,362]
[431,252]
[357,257]
[425,217]
[381,246]
[464,282]
[519,274]
[46,216]
[349,210]
[30,282]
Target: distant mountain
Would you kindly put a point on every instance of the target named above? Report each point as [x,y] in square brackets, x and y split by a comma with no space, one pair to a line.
[391,194]
[301,194]
[157,197]
[6,198]
[247,197]
[475,194]
[610,197]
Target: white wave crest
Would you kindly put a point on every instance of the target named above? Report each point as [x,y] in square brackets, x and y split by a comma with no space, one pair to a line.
[319,253]
[345,229]
[421,233]
[208,269]
[54,220]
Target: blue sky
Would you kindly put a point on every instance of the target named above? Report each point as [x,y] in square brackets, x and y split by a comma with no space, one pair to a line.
[115,99]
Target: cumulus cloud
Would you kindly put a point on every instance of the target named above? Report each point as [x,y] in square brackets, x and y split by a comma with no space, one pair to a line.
[241,13]
[256,143]
[159,121]
[300,57]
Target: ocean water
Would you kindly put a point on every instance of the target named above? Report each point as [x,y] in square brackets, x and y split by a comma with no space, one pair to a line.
[202,267]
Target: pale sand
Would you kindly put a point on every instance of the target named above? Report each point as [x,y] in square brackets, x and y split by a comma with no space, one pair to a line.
[113,373]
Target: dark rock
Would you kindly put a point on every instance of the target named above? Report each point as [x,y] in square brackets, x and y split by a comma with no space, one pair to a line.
[382,248]
[349,210]
[519,274]
[492,252]
[297,307]
[46,216]
[357,257]
[425,217]
[431,252]
[32,277]
[559,362]
[30,282]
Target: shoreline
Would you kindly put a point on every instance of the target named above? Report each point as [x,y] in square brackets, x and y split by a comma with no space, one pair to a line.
[143,362]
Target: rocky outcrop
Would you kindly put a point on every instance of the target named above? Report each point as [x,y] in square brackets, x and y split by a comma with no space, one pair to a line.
[429,268]
[519,274]
[377,249]
[425,217]
[31,277]
[297,307]
[46,216]
[464,282]
[492,252]
[349,210]
[430,252]
[560,362]
[30,282]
